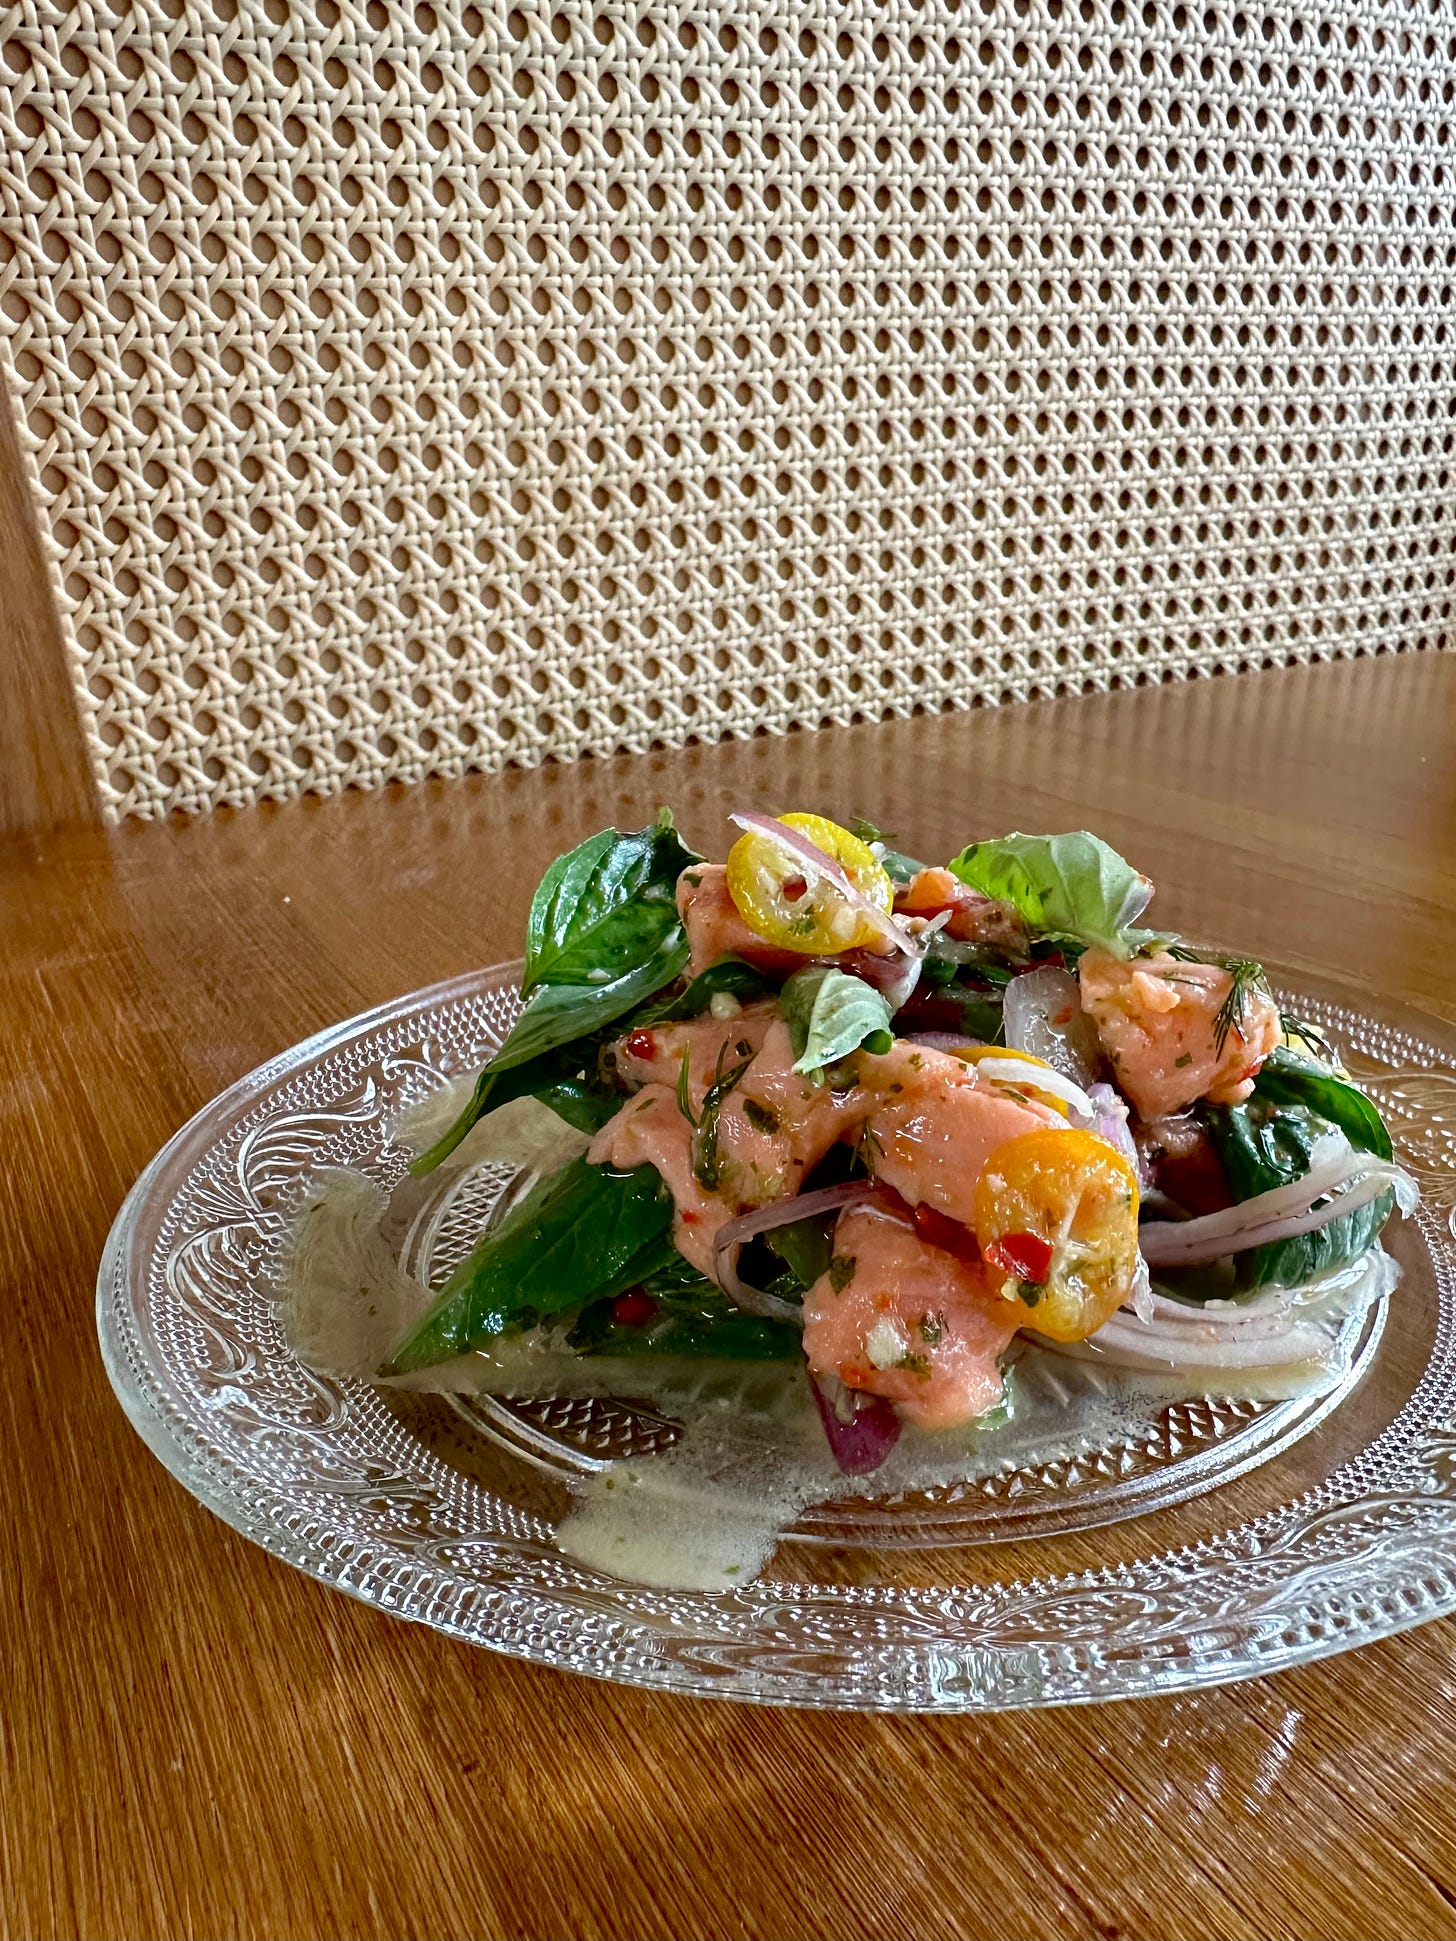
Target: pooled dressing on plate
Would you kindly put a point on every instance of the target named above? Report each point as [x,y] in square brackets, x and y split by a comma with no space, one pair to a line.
[706,1513]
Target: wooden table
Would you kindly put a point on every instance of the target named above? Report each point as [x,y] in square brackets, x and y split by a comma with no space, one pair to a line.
[200,1741]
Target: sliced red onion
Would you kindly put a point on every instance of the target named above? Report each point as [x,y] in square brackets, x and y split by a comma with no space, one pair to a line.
[1011,1070]
[1034,1009]
[1343,1185]
[1272,1329]
[1141,1298]
[893,975]
[1152,1345]
[1259,1319]
[1110,1120]
[860,1442]
[824,865]
[763,1219]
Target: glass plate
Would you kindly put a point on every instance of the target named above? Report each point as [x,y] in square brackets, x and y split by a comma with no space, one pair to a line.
[1227,1540]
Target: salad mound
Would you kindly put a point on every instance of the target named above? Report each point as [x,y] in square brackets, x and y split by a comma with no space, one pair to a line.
[884,1122]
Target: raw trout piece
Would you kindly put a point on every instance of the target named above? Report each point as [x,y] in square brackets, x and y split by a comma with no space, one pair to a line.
[1156,1021]
[908,1322]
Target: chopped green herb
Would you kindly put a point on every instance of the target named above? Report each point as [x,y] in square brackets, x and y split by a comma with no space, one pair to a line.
[705,1140]
[841,1271]
[932,1329]
[1186,1059]
[1246,977]
[1314,1041]
[866,1146]
[762,1117]
[1031,1291]
[705,1123]
[915,1364]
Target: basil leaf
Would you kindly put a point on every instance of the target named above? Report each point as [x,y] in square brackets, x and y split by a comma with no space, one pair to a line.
[805,1248]
[584,1233]
[601,910]
[1062,886]
[583,1105]
[731,976]
[1292,1262]
[1286,1078]
[558,1016]
[603,934]
[694,1319]
[830,1014]
[1263,1145]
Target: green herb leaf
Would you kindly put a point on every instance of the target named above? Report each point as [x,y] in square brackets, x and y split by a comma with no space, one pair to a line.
[586,1232]
[730,977]
[582,1104]
[705,1140]
[830,1014]
[603,934]
[1286,1078]
[805,1247]
[841,1273]
[1245,977]
[558,1016]
[1312,1041]
[1262,1145]
[1071,886]
[604,908]
[694,1319]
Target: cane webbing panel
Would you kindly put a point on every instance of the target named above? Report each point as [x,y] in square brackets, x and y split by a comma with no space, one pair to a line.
[416,389]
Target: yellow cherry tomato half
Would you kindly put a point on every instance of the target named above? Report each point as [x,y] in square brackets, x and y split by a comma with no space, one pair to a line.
[1056,1213]
[778,895]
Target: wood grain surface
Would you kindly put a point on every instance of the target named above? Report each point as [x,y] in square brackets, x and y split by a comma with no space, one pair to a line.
[45,779]
[196,1740]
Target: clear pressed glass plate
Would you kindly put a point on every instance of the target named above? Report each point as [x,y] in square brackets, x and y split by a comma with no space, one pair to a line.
[1220,1541]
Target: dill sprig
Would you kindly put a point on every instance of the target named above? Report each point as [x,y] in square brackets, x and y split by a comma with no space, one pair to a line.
[1245,978]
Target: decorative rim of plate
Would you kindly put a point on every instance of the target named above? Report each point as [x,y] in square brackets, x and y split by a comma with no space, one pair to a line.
[324,1476]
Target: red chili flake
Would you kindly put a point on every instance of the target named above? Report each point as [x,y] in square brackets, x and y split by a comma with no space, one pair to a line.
[795,887]
[941,1231]
[634,1309]
[1025,1256]
[641,1044]
[689,1218]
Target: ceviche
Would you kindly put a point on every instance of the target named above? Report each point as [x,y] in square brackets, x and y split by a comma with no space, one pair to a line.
[885,1124]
